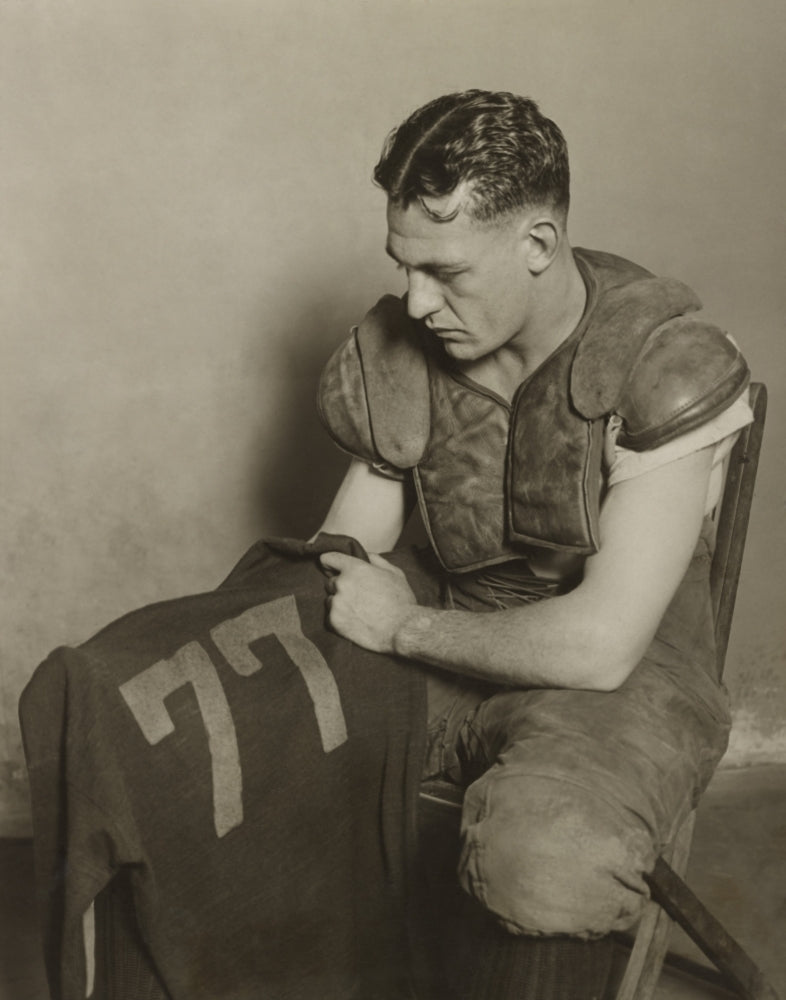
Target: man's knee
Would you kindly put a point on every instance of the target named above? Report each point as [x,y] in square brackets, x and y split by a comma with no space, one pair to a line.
[548,856]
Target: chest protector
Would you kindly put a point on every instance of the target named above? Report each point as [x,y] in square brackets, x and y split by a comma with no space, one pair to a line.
[494,479]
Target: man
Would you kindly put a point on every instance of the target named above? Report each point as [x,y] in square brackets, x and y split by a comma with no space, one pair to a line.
[561,417]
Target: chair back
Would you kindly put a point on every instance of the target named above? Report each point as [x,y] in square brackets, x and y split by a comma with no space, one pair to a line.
[642,972]
[732,521]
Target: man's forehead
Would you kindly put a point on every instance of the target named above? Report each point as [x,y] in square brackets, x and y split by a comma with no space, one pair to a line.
[413,233]
[414,252]
[415,237]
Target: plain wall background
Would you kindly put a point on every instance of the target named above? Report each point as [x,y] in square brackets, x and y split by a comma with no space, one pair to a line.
[189,227]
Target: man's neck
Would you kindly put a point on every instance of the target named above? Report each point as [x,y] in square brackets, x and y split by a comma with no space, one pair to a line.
[559,301]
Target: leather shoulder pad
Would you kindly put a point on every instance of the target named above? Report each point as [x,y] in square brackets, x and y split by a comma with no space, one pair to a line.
[374,393]
[622,321]
[341,402]
[687,372]
[611,270]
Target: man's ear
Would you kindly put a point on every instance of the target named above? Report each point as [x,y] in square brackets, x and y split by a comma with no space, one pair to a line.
[544,241]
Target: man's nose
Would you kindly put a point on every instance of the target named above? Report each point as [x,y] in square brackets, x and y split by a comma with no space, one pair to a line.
[423,295]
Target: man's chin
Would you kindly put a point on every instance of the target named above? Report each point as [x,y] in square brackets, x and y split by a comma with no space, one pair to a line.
[460,350]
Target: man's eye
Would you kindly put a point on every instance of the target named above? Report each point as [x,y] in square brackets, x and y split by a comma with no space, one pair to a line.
[443,277]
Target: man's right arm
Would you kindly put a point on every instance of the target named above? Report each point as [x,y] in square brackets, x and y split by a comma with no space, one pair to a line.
[370,507]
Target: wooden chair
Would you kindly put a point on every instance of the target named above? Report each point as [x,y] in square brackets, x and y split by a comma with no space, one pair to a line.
[671,899]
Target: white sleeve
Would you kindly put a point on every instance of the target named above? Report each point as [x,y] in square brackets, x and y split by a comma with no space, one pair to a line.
[722,431]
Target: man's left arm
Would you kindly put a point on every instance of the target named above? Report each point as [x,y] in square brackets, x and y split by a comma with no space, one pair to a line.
[590,638]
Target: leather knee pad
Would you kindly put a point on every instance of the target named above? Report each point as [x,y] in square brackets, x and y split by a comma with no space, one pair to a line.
[549,856]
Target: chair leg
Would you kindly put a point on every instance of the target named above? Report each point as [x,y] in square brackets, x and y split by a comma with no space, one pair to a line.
[652,937]
[673,901]
[714,940]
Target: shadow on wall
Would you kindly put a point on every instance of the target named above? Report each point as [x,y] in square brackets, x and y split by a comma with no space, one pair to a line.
[298,467]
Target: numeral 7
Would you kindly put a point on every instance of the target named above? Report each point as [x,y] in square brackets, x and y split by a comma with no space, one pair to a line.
[145,694]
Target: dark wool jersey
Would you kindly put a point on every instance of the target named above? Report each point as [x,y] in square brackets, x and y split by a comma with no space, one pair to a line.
[254,776]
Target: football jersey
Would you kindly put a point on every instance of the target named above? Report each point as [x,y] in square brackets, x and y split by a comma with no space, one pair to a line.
[252,773]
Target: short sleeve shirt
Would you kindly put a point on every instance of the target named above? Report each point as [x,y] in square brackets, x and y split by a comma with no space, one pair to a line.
[721,432]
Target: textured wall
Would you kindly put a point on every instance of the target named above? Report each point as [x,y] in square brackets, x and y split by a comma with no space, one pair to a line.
[189,227]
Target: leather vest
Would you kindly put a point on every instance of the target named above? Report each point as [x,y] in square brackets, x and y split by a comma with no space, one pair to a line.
[493,478]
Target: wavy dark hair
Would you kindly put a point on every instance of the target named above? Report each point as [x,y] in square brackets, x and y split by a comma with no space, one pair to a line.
[512,156]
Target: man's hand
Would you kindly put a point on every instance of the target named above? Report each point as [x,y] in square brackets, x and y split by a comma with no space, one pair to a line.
[367,601]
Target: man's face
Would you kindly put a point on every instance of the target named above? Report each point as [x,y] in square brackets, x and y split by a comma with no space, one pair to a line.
[467,281]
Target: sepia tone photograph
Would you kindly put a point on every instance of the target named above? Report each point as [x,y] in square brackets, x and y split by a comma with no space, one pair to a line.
[393,548]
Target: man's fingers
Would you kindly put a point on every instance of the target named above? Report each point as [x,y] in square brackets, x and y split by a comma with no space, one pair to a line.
[337,561]
[379,562]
